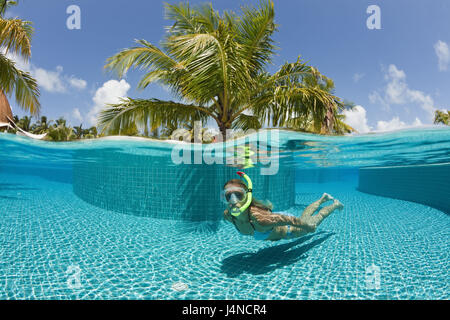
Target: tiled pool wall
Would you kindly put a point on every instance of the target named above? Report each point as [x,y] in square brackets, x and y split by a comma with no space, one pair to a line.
[347,176]
[425,184]
[155,187]
[61,173]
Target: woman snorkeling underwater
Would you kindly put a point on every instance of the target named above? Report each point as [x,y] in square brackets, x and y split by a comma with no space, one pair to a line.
[253,217]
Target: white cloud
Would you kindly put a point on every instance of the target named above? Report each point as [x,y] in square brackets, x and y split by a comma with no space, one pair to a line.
[77,83]
[356,118]
[375,97]
[393,124]
[417,123]
[443,53]
[49,80]
[110,92]
[396,87]
[76,114]
[396,124]
[358,76]
[397,92]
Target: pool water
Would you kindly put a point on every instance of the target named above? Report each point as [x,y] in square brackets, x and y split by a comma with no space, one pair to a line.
[55,245]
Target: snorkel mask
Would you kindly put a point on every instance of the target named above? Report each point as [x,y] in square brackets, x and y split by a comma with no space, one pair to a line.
[234,195]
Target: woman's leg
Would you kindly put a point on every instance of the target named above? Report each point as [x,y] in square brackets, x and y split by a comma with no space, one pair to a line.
[308,212]
[291,232]
[325,212]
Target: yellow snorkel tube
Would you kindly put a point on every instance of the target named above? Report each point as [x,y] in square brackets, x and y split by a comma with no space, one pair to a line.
[237,211]
[246,155]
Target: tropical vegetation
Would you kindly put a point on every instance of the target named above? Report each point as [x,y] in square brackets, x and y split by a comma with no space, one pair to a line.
[15,39]
[442,117]
[58,130]
[216,67]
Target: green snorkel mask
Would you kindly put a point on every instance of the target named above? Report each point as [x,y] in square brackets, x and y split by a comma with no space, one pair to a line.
[235,211]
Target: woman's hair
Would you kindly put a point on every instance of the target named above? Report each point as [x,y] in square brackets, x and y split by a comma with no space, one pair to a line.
[265,205]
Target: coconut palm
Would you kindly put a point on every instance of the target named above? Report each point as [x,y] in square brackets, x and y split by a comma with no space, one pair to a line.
[154,133]
[42,125]
[332,120]
[78,131]
[60,132]
[60,122]
[169,129]
[92,132]
[442,117]
[15,38]
[25,123]
[215,65]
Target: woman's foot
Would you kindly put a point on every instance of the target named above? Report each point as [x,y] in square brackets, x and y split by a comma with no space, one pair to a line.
[327,197]
[338,205]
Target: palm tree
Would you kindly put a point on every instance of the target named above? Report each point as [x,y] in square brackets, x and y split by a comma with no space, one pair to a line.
[154,133]
[42,125]
[169,129]
[93,132]
[15,38]
[25,123]
[78,131]
[215,65]
[195,134]
[329,114]
[60,132]
[60,122]
[442,117]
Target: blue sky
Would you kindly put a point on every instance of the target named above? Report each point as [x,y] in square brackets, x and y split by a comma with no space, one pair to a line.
[397,75]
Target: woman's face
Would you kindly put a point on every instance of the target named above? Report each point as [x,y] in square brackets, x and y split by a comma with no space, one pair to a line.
[234,194]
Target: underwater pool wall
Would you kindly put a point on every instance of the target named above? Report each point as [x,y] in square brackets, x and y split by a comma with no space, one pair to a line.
[153,186]
[55,173]
[425,184]
[344,176]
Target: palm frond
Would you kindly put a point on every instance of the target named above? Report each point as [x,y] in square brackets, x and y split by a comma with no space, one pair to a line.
[255,30]
[5,5]
[185,19]
[208,19]
[15,36]
[340,127]
[25,87]
[153,112]
[247,122]
[442,117]
[207,64]
[147,56]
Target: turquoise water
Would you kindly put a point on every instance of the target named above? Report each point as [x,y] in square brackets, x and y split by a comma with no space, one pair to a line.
[78,221]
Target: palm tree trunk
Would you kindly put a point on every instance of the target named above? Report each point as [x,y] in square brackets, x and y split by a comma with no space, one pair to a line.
[223,131]
[327,124]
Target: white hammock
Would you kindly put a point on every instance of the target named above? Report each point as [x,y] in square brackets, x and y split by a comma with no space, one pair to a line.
[21,132]
[4,124]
